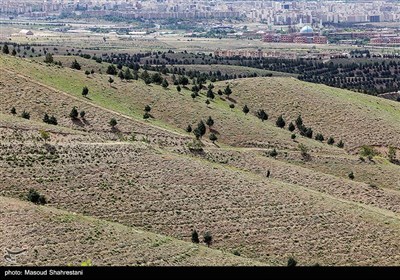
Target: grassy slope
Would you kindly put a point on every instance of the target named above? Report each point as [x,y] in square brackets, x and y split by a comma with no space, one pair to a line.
[232,69]
[331,111]
[356,118]
[265,219]
[171,109]
[207,186]
[69,238]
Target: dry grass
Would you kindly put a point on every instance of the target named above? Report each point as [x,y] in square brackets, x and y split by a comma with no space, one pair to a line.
[303,209]
[65,238]
[264,219]
[170,109]
[356,118]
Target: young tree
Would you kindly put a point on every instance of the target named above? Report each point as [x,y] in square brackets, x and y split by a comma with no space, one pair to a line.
[13,111]
[262,115]
[340,144]
[210,94]
[110,80]
[6,49]
[46,118]
[319,137]
[201,128]
[164,83]
[293,136]
[392,154]
[49,58]
[111,70]
[197,133]
[147,108]
[156,78]
[309,132]
[228,91]
[207,238]
[82,114]
[273,153]
[85,91]
[189,128]
[178,88]
[145,76]
[193,95]
[26,115]
[291,262]
[146,115]
[280,122]
[14,52]
[245,109]
[299,122]
[36,197]
[351,175]
[75,65]
[87,73]
[121,75]
[53,120]
[210,122]
[113,122]
[74,113]
[232,106]
[331,141]
[128,74]
[195,237]
[219,92]
[213,137]
[183,80]
[291,127]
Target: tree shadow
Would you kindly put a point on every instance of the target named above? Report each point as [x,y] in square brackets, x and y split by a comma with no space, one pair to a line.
[85,121]
[231,99]
[115,129]
[212,130]
[77,122]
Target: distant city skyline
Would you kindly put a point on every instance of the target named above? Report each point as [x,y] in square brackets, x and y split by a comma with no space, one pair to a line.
[270,12]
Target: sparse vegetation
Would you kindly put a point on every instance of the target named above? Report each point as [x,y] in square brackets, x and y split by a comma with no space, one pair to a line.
[368,151]
[26,115]
[74,113]
[262,115]
[85,91]
[246,109]
[280,122]
[195,237]
[291,262]
[113,122]
[207,238]
[35,197]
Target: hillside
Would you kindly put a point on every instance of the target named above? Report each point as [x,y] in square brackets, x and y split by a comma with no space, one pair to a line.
[142,175]
[356,118]
[67,238]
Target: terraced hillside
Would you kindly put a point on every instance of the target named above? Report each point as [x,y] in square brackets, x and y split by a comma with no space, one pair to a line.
[143,176]
[64,238]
